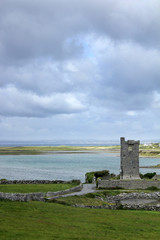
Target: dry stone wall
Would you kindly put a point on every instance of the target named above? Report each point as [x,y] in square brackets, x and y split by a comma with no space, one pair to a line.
[25,197]
[128,184]
[58,193]
[116,202]
[3,181]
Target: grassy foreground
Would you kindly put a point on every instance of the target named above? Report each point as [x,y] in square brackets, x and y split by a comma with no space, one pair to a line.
[49,221]
[29,188]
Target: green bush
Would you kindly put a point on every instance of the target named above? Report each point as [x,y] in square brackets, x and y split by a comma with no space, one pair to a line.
[101,173]
[147,175]
[97,174]
[120,207]
[90,195]
[153,188]
[89,177]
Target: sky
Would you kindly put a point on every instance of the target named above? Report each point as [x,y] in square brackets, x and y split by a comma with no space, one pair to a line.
[86,69]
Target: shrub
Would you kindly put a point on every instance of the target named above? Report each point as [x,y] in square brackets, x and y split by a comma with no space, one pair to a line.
[101,173]
[147,175]
[120,207]
[89,177]
[153,188]
[76,182]
[97,174]
[90,195]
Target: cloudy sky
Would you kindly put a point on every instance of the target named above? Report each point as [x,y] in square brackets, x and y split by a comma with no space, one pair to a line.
[86,69]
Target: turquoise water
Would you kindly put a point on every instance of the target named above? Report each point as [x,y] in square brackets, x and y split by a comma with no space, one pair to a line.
[64,166]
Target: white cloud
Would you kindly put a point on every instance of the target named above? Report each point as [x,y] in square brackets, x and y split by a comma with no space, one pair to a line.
[131,113]
[27,104]
[156,100]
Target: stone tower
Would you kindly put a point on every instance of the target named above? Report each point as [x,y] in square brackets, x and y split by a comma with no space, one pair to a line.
[129,159]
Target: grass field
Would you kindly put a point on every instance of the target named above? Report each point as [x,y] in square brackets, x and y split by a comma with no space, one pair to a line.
[29,188]
[49,221]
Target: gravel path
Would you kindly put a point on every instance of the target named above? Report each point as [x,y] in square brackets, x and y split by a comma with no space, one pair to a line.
[87,188]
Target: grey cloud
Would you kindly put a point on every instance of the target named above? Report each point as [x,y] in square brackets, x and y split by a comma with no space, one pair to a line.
[123,77]
[49,77]
[129,75]
[25,104]
[41,78]
[62,57]
[37,29]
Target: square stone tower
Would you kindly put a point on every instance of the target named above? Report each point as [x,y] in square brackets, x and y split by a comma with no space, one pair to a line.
[129,159]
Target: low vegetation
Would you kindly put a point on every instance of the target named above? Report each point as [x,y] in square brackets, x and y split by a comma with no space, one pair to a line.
[45,149]
[84,200]
[90,199]
[149,153]
[97,174]
[97,198]
[28,188]
[147,175]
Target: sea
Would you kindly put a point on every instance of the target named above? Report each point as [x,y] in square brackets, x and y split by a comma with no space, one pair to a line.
[62,165]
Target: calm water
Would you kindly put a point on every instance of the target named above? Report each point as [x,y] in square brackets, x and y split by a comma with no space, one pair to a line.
[65,166]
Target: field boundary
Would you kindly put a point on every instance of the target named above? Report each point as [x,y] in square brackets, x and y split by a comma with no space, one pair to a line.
[38,196]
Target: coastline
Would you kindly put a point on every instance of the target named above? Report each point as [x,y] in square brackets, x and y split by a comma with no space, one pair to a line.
[43,150]
[36,150]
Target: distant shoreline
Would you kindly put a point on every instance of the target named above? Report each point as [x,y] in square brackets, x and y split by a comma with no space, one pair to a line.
[155,166]
[35,150]
[63,149]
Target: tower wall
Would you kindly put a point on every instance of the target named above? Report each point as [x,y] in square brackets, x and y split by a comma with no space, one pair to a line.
[129,159]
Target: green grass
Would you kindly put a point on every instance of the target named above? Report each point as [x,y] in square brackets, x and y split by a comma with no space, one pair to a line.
[150,153]
[28,188]
[49,221]
[43,149]
[80,200]
[95,199]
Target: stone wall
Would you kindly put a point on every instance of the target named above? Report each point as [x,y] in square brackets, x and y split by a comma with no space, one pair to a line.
[133,195]
[116,202]
[25,197]
[152,202]
[58,193]
[3,181]
[128,184]
[122,206]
